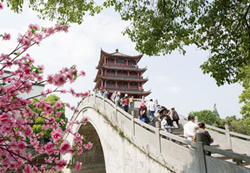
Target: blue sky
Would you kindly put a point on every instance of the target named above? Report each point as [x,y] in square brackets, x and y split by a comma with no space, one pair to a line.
[175,80]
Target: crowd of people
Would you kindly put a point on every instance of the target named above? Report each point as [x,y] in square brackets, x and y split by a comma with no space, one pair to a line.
[150,112]
[124,102]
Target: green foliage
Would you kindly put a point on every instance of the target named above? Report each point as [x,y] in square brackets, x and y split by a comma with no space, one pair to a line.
[162,26]
[37,128]
[64,11]
[206,116]
[223,27]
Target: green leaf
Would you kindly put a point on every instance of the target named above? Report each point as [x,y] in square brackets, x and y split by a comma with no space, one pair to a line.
[33,30]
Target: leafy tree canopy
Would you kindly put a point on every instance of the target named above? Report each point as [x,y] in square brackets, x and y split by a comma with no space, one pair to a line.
[162,26]
[64,11]
[206,116]
[220,26]
[37,128]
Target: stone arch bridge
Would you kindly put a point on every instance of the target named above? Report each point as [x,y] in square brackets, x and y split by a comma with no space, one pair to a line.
[124,144]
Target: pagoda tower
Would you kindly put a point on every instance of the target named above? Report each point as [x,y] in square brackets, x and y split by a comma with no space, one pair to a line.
[120,72]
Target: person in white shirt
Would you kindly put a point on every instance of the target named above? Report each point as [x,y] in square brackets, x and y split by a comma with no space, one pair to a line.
[190,128]
[151,110]
[164,124]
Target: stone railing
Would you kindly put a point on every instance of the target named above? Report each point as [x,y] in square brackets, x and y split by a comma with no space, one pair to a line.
[226,139]
[171,151]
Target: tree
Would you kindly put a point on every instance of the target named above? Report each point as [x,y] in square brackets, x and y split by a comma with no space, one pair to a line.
[206,116]
[58,114]
[162,26]
[17,116]
[63,11]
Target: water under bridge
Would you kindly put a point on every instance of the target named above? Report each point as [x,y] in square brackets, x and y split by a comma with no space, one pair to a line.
[124,144]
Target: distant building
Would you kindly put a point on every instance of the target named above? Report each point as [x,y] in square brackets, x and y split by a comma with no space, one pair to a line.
[36,89]
[119,72]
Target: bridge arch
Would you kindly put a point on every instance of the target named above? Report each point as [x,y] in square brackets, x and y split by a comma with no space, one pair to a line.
[130,145]
[92,160]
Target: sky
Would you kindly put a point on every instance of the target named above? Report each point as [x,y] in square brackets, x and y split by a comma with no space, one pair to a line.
[175,80]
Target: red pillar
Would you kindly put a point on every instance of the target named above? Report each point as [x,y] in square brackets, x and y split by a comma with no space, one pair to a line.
[128,85]
[115,61]
[126,62]
[105,84]
[101,71]
[128,74]
[105,72]
[101,84]
[116,73]
[141,86]
[115,84]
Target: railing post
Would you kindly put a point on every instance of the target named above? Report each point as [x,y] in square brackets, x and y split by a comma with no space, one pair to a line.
[103,102]
[196,120]
[201,153]
[94,98]
[157,134]
[227,133]
[116,104]
[132,124]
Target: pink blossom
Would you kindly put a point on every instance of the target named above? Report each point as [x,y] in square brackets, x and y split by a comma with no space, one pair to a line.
[56,135]
[58,104]
[58,114]
[77,166]
[79,151]
[4,118]
[49,90]
[60,80]
[67,105]
[28,130]
[63,91]
[34,26]
[88,146]
[43,93]
[64,147]
[21,145]
[82,73]
[60,164]
[28,169]
[6,36]
[1,6]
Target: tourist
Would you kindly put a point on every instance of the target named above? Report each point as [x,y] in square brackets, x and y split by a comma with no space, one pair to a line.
[125,102]
[121,102]
[106,94]
[151,109]
[113,96]
[165,126]
[143,113]
[163,111]
[131,102]
[170,122]
[117,99]
[207,138]
[158,109]
[190,128]
[175,117]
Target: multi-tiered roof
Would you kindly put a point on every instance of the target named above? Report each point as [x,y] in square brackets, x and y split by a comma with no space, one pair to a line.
[120,72]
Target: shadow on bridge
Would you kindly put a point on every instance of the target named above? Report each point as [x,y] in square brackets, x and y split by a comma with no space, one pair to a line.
[92,160]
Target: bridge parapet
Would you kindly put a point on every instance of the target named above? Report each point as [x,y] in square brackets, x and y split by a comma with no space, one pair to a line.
[171,151]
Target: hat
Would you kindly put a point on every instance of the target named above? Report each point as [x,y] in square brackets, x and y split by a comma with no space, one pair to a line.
[142,104]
